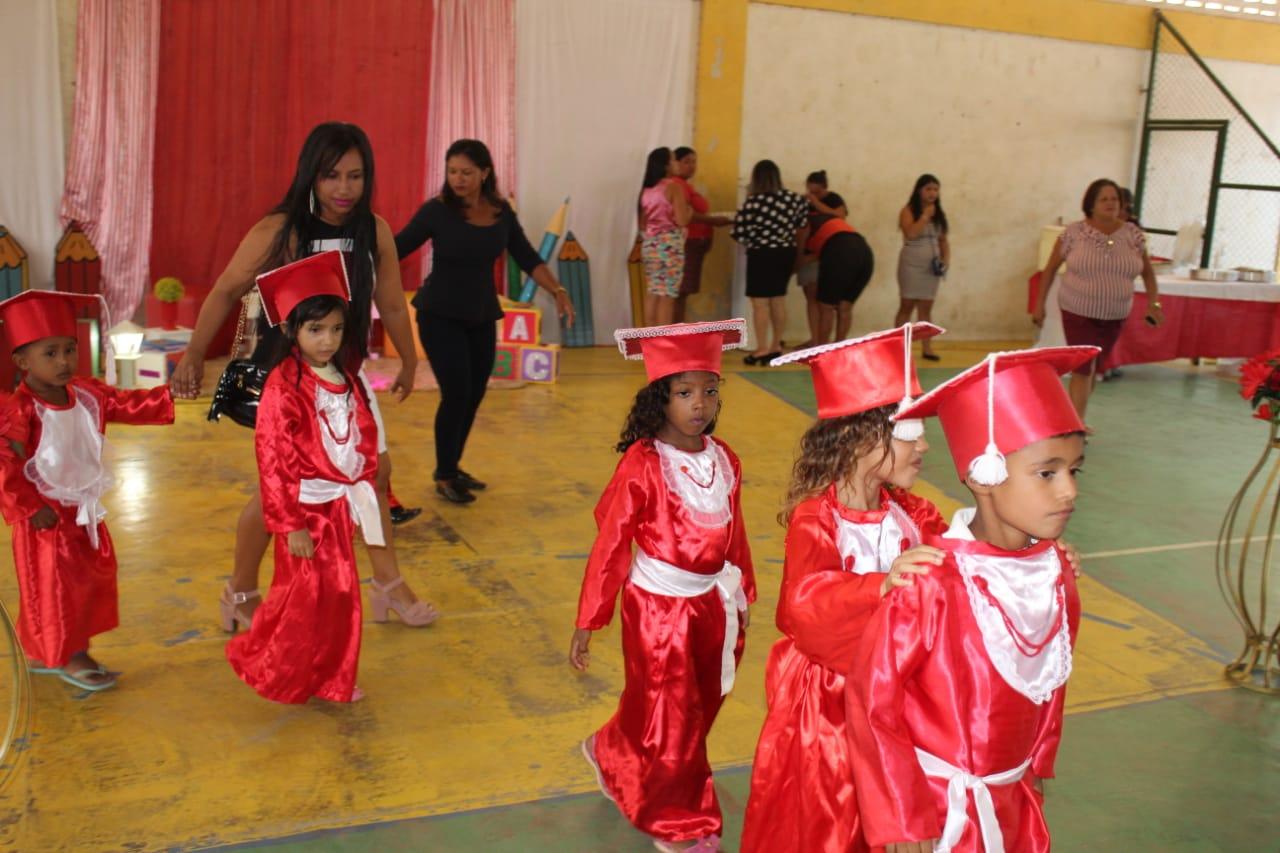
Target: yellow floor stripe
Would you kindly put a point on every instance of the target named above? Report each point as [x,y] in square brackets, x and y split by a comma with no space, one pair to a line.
[478,710]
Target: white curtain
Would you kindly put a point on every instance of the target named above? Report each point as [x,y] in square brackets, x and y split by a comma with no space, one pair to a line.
[599,83]
[31,167]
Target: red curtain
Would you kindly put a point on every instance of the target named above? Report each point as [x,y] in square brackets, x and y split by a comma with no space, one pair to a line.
[241,84]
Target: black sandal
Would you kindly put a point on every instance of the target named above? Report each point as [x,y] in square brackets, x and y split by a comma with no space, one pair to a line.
[454,492]
[471,484]
[402,514]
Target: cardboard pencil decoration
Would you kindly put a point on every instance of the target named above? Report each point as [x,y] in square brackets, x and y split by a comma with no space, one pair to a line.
[635,274]
[575,276]
[77,267]
[14,266]
[549,239]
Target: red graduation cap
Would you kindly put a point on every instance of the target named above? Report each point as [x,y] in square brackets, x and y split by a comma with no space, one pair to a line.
[36,314]
[321,274]
[865,373]
[681,347]
[1002,404]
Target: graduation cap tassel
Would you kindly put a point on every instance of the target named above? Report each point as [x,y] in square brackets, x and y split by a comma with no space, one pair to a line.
[912,428]
[990,469]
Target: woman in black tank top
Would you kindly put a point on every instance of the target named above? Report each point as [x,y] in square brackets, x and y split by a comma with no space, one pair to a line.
[330,198]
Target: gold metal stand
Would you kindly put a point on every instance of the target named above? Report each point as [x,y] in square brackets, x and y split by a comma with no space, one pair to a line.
[1243,577]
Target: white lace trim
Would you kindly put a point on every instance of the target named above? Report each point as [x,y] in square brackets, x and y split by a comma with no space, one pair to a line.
[703,481]
[874,545]
[339,432]
[622,336]
[918,329]
[1031,594]
[67,464]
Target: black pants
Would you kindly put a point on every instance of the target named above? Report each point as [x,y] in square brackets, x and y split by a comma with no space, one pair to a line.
[461,357]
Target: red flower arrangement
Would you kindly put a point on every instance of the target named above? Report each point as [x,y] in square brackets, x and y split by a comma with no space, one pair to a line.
[1260,385]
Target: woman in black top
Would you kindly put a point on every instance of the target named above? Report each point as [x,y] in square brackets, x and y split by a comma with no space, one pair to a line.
[771,226]
[469,226]
[822,201]
[329,204]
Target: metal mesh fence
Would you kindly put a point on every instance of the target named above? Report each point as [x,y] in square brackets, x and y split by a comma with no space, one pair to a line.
[1204,160]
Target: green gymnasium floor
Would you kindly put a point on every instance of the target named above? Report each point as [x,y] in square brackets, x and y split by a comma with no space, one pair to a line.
[468,738]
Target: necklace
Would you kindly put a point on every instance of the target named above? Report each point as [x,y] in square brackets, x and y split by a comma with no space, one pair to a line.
[684,469]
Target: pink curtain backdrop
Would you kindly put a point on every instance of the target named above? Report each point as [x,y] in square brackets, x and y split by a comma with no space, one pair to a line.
[108,183]
[473,87]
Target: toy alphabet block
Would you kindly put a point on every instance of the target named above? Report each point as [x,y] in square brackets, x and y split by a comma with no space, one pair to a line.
[521,326]
[540,363]
[506,362]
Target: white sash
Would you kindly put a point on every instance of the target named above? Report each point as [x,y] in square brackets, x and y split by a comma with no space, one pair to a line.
[661,578]
[959,783]
[362,500]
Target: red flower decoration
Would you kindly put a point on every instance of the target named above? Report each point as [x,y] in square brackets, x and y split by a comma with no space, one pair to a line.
[1260,385]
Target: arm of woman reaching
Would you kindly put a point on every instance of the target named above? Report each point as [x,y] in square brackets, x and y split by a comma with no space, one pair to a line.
[528,259]
[912,227]
[1046,281]
[388,294]
[841,210]
[236,280]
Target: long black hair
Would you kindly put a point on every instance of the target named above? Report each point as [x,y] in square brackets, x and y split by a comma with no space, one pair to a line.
[324,147]
[655,168]
[765,178]
[648,413]
[478,153]
[917,206]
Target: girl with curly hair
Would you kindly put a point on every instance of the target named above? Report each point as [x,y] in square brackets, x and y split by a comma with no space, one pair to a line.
[676,494]
[853,533]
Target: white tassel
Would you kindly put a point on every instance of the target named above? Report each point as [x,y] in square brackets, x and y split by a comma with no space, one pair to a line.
[909,430]
[989,469]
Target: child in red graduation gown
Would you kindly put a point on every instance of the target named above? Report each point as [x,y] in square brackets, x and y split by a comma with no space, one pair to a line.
[51,490]
[316,444]
[853,531]
[956,710]
[676,494]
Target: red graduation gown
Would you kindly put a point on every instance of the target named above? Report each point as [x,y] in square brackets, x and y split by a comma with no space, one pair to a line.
[653,752]
[802,794]
[926,680]
[67,585]
[305,638]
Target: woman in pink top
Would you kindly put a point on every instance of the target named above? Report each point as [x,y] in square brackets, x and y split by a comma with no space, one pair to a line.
[664,212]
[1104,253]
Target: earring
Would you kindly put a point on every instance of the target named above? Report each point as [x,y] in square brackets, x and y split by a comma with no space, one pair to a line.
[312,201]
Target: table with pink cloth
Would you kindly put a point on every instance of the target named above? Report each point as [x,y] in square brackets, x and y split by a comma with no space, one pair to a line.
[1202,319]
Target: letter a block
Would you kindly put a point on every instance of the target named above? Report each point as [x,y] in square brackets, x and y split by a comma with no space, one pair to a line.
[521,326]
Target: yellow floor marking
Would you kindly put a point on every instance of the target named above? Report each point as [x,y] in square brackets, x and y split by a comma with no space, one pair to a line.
[480,709]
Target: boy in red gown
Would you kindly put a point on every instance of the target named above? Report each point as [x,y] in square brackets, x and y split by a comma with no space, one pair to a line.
[51,492]
[956,710]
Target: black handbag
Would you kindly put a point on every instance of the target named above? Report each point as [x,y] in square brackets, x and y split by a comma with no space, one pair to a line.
[240,386]
[238,392]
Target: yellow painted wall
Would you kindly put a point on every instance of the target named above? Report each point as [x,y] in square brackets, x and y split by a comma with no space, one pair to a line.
[1094,21]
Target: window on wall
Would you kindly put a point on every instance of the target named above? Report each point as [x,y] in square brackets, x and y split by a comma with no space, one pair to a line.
[1264,11]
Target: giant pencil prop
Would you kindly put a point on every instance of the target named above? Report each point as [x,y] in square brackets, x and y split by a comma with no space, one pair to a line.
[549,239]
[575,275]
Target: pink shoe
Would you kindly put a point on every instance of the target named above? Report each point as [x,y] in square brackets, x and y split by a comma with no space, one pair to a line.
[229,613]
[589,753]
[416,615]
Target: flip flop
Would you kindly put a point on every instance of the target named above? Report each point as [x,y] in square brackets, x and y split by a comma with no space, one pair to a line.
[37,668]
[76,679]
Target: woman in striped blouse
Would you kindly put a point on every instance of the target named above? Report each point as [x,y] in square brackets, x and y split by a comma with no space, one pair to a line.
[1104,253]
